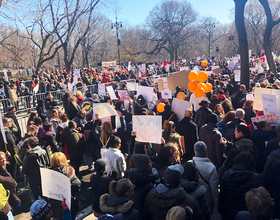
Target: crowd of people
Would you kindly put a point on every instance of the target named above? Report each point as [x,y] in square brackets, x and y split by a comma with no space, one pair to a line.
[226,164]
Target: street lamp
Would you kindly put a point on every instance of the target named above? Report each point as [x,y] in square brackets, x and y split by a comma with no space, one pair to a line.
[117,25]
[209,27]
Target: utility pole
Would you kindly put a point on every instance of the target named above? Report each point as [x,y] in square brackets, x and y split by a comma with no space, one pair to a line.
[209,27]
[117,25]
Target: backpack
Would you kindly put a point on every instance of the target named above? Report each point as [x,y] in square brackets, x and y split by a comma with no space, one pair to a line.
[166,122]
[4,196]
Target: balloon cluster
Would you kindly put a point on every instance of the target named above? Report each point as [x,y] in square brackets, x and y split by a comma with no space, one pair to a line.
[199,88]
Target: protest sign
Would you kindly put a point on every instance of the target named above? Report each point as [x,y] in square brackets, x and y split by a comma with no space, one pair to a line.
[143,66]
[166,94]
[237,75]
[179,107]
[271,118]
[146,92]
[131,86]
[198,59]
[217,70]
[231,65]
[6,75]
[148,128]
[56,185]
[250,97]
[258,105]
[123,95]
[2,129]
[104,110]
[209,73]
[101,89]
[196,69]
[269,104]
[111,92]
[171,82]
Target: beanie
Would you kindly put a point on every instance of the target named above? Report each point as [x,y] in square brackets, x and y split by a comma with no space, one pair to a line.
[172,175]
[140,161]
[200,149]
[39,209]
[100,164]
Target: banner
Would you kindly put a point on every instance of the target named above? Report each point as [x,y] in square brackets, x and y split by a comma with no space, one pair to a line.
[179,107]
[269,104]
[111,92]
[146,92]
[237,75]
[271,118]
[166,94]
[101,89]
[148,128]
[56,185]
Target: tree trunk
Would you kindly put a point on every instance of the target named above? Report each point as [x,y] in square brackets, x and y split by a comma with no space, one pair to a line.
[243,41]
[267,48]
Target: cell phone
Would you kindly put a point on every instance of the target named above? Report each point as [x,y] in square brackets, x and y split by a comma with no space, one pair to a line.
[133,133]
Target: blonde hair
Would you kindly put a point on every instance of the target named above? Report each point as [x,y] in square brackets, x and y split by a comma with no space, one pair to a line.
[177,212]
[59,159]
[106,130]
[73,100]
[79,93]
[3,153]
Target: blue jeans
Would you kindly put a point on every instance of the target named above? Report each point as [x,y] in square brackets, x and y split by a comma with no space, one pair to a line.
[35,186]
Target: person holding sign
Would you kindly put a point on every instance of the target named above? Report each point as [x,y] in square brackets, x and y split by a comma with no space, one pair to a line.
[59,163]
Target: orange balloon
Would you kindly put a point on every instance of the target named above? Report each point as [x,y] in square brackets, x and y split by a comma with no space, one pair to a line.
[193,75]
[208,87]
[160,107]
[192,85]
[202,76]
[181,96]
[199,92]
[204,63]
[201,85]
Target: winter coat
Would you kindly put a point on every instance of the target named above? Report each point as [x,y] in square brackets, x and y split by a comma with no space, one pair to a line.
[198,191]
[15,122]
[210,179]
[202,115]
[116,162]
[162,198]
[42,113]
[99,185]
[143,185]
[75,142]
[33,160]
[11,139]
[75,187]
[59,130]
[72,111]
[93,142]
[249,113]
[237,101]
[114,205]
[236,182]
[48,139]
[167,114]
[271,146]
[80,122]
[211,136]
[187,128]
[229,129]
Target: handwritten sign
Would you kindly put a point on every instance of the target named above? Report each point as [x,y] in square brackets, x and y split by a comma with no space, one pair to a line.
[231,65]
[258,105]
[123,94]
[271,118]
[166,94]
[269,104]
[237,75]
[56,185]
[250,97]
[104,110]
[101,89]
[146,92]
[148,128]
[179,107]
[111,92]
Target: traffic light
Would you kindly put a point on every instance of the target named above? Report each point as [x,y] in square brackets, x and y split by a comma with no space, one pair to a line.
[230,37]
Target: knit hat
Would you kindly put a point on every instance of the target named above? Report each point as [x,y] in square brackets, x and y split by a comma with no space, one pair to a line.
[172,175]
[204,102]
[200,149]
[140,161]
[108,216]
[100,164]
[213,119]
[39,209]
[141,101]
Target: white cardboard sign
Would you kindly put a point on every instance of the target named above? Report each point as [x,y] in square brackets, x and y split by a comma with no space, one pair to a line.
[179,107]
[101,89]
[166,94]
[269,104]
[111,92]
[146,92]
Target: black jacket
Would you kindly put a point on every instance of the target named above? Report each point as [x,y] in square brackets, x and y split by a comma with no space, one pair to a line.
[99,186]
[229,128]
[42,113]
[202,115]
[211,136]
[236,182]
[187,128]
[72,111]
[12,116]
